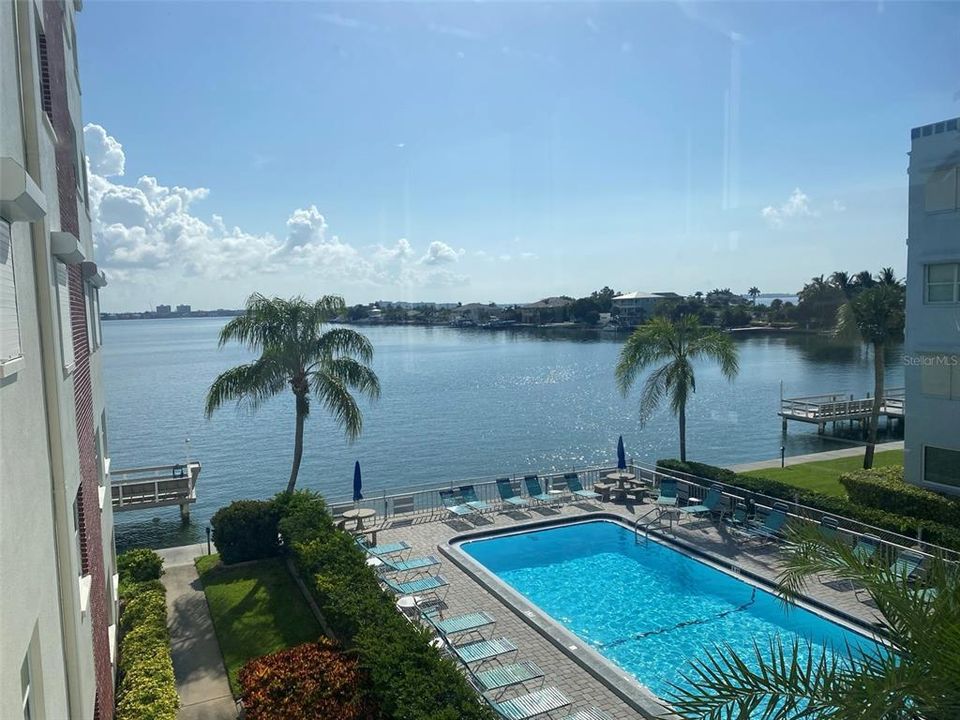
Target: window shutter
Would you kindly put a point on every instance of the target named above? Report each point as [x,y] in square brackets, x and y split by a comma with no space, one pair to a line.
[63,300]
[9,317]
[46,98]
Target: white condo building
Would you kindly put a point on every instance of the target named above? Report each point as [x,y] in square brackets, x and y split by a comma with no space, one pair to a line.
[58,604]
[932,349]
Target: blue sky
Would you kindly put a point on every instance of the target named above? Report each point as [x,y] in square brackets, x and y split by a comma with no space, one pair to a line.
[505,152]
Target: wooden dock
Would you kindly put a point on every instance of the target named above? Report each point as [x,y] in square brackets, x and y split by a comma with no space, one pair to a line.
[154,487]
[839,407]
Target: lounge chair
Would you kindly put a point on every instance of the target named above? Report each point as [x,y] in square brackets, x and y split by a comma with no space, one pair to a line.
[482,650]
[590,713]
[508,495]
[381,551]
[668,493]
[531,705]
[469,495]
[535,491]
[712,505]
[469,622]
[770,528]
[907,566]
[505,676]
[573,483]
[431,583]
[829,527]
[410,564]
[455,505]
[739,518]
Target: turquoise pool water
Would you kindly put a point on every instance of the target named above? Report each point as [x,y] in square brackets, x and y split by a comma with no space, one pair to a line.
[648,608]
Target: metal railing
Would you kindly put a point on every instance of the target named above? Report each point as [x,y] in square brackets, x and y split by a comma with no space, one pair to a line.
[840,405]
[154,486]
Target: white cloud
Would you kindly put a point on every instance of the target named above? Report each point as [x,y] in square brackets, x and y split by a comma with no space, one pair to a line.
[797,205]
[140,227]
[439,253]
[839,206]
[104,152]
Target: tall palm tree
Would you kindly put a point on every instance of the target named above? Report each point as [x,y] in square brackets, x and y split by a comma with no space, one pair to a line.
[875,316]
[841,280]
[920,680]
[863,280]
[295,352]
[887,276]
[754,293]
[676,343]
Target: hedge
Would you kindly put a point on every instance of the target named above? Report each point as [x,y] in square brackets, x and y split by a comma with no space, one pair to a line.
[246,530]
[884,489]
[140,565]
[406,678]
[146,689]
[314,680]
[932,532]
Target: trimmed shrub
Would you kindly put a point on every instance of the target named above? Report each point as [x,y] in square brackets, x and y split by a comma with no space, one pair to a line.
[932,532]
[146,689]
[139,565]
[884,489]
[246,530]
[315,680]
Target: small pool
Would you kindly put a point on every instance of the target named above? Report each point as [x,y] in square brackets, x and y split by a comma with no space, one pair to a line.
[647,607]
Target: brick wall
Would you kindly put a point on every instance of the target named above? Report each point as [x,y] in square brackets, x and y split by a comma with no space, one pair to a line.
[58,55]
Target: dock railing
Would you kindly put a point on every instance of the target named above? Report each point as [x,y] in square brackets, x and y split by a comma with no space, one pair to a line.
[155,486]
[837,405]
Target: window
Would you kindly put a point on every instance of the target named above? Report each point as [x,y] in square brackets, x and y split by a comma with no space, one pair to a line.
[26,689]
[80,532]
[941,466]
[63,301]
[940,376]
[9,315]
[89,296]
[941,191]
[46,98]
[942,283]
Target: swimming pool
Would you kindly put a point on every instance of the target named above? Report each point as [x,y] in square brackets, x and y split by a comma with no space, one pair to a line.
[646,607]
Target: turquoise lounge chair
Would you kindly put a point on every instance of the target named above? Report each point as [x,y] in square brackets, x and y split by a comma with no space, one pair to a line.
[535,491]
[430,584]
[590,713]
[740,517]
[469,622]
[770,528]
[410,564]
[829,527]
[454,504]
[573,483]
[531,705]
[867,547]
[381,551]
[668,493]
[469,495]
[508,495]
[482,650]
[712,505]
[907,567]
[505,676]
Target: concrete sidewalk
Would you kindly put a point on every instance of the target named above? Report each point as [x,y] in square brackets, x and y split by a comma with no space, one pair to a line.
[815,457]
[197,662]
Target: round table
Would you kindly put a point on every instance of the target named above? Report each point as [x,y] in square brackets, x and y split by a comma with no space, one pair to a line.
[359,514]
[621,478]
[557,495]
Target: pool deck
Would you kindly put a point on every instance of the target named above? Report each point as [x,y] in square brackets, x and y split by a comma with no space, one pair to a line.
[429,533]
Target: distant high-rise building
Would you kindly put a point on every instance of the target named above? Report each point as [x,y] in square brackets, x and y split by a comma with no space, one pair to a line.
[183,309]
[932,349]
[58,605]
[163,309]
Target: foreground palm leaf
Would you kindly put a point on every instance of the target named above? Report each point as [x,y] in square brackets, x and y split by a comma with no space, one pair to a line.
[296,352]
[917,678]
[678,344]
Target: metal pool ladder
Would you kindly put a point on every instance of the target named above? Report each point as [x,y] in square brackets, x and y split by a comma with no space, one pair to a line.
[640,526]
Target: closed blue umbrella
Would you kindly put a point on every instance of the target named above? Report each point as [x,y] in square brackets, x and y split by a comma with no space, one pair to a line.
[357,482]
[621,455]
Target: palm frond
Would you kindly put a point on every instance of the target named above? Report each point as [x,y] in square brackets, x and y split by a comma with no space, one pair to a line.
[252,383]
[717,346]
[646,345]
[333,392]
[354,374]
[341,342]
[654,388]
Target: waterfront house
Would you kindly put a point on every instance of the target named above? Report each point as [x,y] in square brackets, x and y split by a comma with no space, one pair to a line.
[932,348]
[635,308]
[545,311]
[477,313]
[58,607]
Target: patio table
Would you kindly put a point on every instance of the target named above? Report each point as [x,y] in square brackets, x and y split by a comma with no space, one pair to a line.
[359,514]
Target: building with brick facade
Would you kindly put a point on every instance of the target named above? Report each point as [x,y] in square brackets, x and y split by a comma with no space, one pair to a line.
[58,606]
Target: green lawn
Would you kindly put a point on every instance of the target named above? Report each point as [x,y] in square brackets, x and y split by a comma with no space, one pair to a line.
[256,608]
[823,475]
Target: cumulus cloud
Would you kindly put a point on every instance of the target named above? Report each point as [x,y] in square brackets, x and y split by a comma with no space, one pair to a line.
[797,205]
[439,253]
[143,225]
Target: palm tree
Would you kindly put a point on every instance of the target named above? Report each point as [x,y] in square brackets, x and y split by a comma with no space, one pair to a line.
[841,280]
[875,316]
[678,343]
[887,276]
[918,681]
[296,353]
[863,280]
[754,293]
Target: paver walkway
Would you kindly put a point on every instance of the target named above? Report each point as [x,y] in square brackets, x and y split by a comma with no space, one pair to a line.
[815,457]
[197,662]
